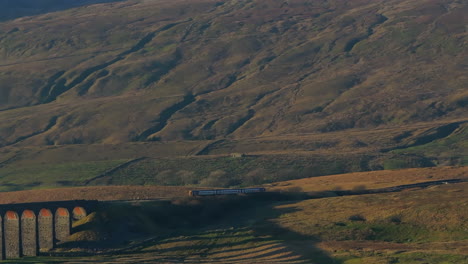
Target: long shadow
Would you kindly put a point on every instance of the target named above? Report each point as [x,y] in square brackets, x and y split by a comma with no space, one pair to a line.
[221,226]
[308,249]
[12,9]
[228,229]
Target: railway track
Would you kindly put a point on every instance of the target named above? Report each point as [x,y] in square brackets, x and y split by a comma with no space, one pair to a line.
[399,188]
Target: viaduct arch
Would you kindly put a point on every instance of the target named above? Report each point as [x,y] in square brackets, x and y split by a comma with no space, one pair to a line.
[28,229]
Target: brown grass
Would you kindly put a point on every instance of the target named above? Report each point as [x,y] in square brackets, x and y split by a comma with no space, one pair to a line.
[102,193]
[369,180]
[373,179]
[371,246]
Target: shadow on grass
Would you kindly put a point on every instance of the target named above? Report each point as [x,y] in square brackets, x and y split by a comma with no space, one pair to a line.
[216,229]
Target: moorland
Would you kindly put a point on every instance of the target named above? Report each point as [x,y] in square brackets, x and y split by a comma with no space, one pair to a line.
[324,103]
[137,91]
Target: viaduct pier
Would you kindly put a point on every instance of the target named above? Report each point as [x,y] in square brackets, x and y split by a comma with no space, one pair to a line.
[26,229]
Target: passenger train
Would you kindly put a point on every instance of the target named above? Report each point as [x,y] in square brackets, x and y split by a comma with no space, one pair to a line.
[225,191]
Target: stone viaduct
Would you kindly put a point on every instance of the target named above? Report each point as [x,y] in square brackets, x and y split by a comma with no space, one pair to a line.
[30,228]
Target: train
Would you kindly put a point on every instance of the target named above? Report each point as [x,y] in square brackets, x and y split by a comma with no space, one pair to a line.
[225,191]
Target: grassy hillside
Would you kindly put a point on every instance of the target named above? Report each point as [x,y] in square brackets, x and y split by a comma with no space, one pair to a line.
[375,83]
[286,227]
[236,68]
[232,93]
[209,163]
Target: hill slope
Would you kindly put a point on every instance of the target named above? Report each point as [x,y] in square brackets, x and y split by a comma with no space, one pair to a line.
[257,77]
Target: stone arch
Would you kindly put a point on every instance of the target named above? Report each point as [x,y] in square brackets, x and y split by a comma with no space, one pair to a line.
[62,224]
[12,235]
[45,230]
[28,233]
[79,213]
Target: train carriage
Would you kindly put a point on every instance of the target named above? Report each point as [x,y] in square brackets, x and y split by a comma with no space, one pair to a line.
[225,191]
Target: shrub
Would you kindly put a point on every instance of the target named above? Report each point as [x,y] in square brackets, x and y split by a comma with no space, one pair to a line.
[254,177]
[357,217]
[219,178]
[359,188]
[396,219]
